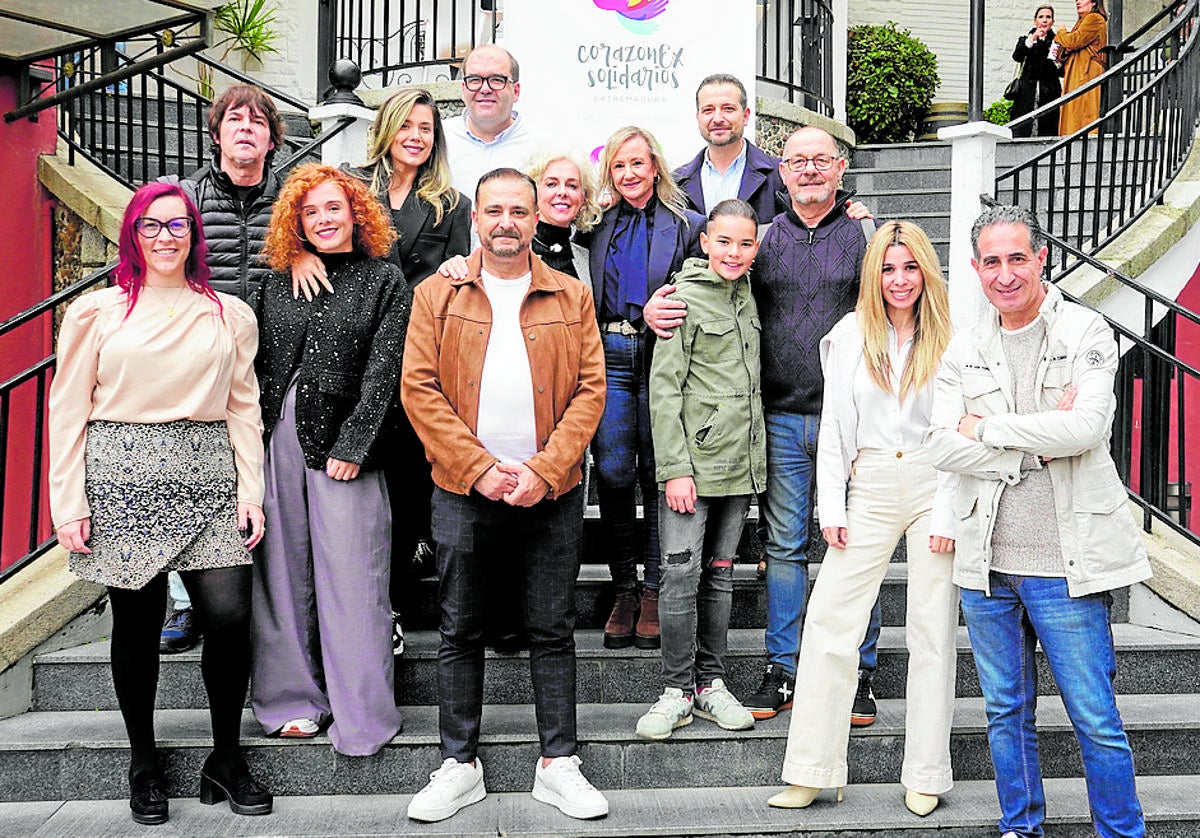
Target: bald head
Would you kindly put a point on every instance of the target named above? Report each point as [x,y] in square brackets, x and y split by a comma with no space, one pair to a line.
[812,169]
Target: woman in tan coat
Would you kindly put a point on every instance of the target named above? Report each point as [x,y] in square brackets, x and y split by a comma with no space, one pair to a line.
[1084,61]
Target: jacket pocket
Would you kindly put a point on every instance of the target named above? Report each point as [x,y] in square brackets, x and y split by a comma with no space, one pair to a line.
[716,328]
[707,430]
[337,384]
[982,395]
[1055,383]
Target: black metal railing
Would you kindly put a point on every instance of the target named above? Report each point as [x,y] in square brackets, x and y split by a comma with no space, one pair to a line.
[392,39]
[1149,439]
[1093,185]
[795,52]
[399,41]
[153,122]
[32,383]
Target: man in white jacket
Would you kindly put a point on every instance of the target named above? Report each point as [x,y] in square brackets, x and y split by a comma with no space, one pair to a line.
[1023,413]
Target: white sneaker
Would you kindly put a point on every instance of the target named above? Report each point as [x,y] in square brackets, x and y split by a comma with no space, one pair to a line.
[672,710]
[562,784]
[453,786]
[717,704]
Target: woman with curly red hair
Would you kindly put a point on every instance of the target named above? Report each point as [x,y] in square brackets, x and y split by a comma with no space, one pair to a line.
[329,372]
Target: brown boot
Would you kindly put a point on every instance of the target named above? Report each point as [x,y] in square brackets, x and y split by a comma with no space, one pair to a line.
[647,624]
[618,631]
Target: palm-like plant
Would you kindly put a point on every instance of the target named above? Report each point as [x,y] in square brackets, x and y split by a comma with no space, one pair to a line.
[248,27]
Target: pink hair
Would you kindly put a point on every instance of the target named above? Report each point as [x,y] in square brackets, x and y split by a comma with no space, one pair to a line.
[130,272]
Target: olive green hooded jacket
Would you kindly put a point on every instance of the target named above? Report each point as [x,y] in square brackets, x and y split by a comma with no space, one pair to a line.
[705,397]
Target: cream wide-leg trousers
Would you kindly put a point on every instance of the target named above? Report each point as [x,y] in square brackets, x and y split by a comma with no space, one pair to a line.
[889,496]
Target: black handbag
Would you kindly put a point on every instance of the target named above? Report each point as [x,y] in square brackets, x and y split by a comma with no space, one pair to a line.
[1014,86]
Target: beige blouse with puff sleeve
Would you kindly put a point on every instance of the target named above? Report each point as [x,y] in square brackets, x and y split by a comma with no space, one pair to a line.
[197,364]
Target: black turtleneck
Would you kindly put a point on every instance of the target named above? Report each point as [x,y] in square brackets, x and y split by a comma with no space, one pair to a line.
[553,245]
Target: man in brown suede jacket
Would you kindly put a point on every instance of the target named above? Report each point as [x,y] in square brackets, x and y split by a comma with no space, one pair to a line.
[504,383]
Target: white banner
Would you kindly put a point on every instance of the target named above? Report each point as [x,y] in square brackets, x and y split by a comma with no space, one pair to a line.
[589,67]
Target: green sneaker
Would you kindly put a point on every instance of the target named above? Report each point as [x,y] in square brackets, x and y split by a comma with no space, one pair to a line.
[717,704]
[671,710]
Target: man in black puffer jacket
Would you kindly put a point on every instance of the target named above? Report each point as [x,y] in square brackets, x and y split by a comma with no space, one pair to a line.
[235,192]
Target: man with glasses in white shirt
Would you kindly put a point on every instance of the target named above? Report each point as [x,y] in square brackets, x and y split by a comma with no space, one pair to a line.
[489,134]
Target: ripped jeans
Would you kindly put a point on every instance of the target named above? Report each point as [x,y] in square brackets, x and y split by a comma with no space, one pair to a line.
[695,594]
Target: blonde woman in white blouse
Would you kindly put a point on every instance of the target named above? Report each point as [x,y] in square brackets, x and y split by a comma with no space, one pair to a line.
[156,464]
[874,486]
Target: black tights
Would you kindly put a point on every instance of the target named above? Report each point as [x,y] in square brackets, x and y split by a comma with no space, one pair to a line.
[221,599]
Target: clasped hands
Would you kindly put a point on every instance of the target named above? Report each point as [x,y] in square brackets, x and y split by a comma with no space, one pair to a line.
[515,484]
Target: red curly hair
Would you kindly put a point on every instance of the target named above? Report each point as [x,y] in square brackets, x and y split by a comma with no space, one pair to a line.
[373,233]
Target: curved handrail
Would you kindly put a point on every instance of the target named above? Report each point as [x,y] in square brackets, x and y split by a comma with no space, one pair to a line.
[1091,189]
[1186,18]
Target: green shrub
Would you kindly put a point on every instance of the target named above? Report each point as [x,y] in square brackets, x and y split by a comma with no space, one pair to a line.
[890,80]
[998,113]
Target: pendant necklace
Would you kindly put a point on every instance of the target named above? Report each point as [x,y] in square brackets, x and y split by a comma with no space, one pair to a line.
[170,307]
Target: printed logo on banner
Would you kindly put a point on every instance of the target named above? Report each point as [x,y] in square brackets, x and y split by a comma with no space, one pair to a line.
[635,15]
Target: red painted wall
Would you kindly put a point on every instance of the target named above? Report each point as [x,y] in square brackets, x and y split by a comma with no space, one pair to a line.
[26,266]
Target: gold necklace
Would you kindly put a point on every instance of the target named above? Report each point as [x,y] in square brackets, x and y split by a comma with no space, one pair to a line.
[170,307]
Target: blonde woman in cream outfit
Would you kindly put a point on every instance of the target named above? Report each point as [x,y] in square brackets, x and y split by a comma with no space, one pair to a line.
[874,485]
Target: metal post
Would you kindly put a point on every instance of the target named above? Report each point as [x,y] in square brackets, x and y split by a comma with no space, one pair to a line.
[326,44]
[975,84]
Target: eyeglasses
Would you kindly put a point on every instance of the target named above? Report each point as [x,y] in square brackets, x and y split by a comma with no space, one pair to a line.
[151,227]
[822,163]
[476,83]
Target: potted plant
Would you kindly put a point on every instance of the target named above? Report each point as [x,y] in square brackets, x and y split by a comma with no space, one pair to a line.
[242,26]
[890,81]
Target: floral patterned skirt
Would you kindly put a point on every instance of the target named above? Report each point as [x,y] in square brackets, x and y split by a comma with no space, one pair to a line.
[163,496]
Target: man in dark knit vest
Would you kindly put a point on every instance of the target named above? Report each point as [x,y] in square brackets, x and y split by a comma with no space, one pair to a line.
[805,279]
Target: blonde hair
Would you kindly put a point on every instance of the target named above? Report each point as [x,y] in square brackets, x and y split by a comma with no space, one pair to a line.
[665,188]
[590,212]
[933,327]
[433,176]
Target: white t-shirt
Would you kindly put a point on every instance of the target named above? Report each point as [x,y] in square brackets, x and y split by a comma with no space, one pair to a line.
[506,427]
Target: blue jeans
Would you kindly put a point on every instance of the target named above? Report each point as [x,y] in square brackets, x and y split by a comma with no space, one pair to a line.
[623,450]
[1077,641]
[786,507]
[696,597]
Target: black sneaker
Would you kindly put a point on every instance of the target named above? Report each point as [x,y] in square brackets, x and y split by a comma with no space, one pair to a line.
[775,694]
[179,633]
[862,713]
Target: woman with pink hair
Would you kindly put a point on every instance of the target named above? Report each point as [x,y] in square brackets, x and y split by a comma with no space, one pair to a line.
[156,464]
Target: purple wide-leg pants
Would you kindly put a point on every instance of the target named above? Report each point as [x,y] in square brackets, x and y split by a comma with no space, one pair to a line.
[322,619]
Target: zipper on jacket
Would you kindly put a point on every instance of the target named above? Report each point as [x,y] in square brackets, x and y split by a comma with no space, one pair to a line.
[244,260]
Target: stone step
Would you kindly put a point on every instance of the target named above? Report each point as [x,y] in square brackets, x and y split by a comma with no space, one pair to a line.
[898,204]
[970,810]
[1149,661]
[869,179]
[594,597]
[84,754]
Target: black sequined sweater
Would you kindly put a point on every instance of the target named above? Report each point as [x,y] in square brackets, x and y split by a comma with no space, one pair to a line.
[344,350]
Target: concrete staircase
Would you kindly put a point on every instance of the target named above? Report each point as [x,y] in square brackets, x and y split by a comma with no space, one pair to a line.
[911,181]
[64,763]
